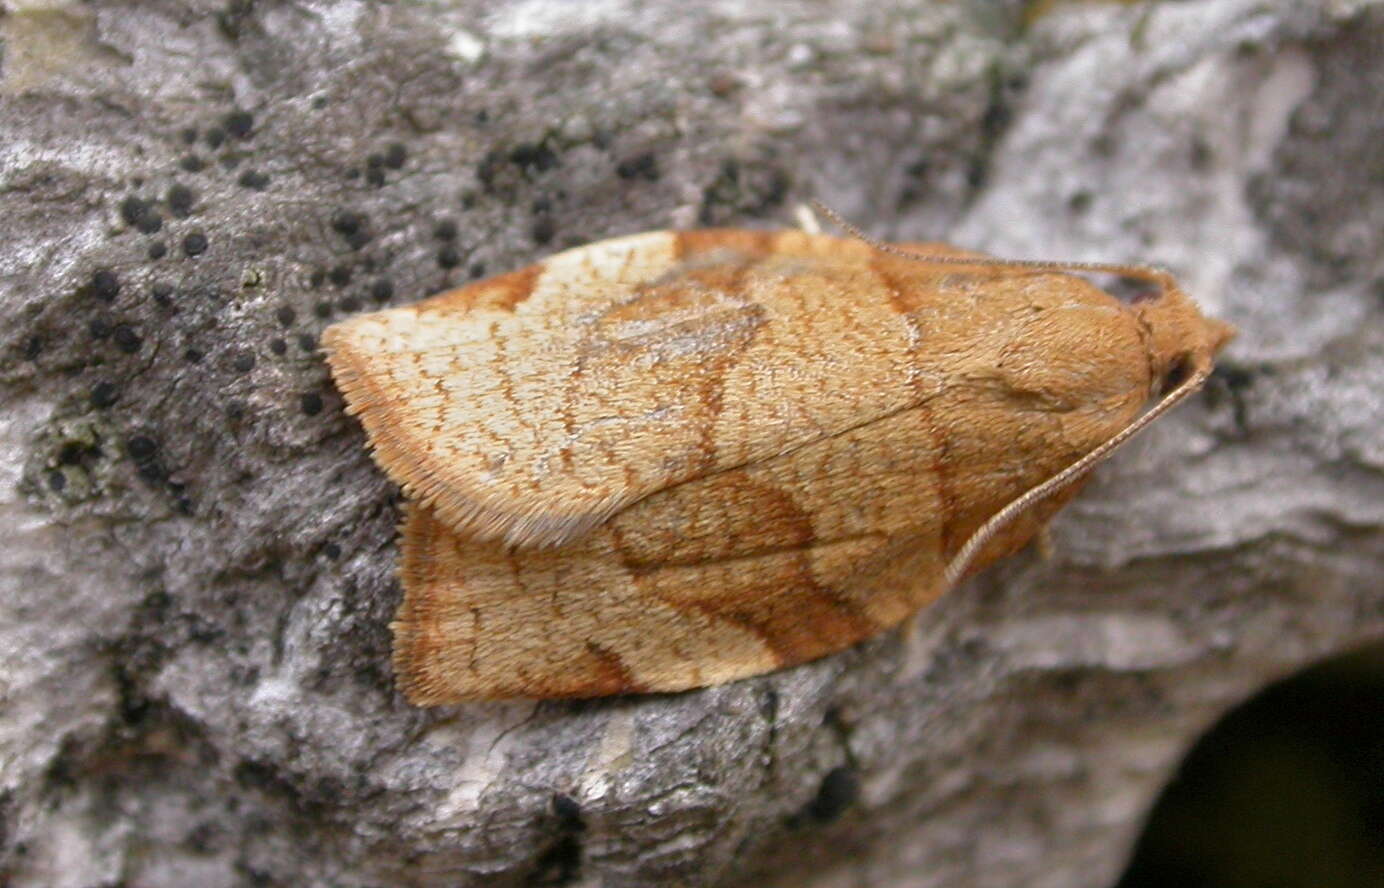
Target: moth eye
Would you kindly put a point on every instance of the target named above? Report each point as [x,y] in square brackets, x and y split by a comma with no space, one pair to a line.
[1136,292]
[1177,373]
[1130,291]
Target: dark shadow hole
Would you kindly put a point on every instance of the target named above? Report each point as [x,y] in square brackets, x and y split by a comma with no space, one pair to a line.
[1286,791]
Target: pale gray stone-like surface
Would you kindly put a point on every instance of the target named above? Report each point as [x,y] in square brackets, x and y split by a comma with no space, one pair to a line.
[195,576]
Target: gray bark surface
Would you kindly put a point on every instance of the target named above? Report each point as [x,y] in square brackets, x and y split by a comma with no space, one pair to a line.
[196,569]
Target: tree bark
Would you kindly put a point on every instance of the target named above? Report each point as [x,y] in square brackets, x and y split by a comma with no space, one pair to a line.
[196,576]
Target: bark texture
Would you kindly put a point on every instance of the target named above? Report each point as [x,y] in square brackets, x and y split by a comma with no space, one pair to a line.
[196,570]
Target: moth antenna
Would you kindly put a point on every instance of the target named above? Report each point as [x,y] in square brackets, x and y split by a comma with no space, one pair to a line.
[1158,276]
[987,531]
[842,224]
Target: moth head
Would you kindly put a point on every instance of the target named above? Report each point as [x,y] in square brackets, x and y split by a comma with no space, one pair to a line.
[1182,345]
[1182,341]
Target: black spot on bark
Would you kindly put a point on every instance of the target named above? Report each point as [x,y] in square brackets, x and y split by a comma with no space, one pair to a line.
[286,315]
[192,163]
[560,862]
[353,227]
[533,157]
[126,339]
[769,706]
[254,180]
[568,813]
[239,124]
[195,244]
[488,170]
[448,257]
[311,403]
[347,221]
[140,214]
[157,250]
[838,791]
[755,187]
[151,472]
[1229,383]
[203,838]
[72,453]
[643,166]
[502,172]
[340,275]
[103,394]
[382,290]
[1235,376]
[1200,154]
[180,199]
[142,450]
[104,284]
[234,18]
[543,230]
[141,447]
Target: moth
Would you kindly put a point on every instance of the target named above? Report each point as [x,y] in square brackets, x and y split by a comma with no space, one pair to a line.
[677,459]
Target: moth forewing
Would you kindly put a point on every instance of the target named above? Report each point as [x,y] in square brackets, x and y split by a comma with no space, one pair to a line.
[681,458]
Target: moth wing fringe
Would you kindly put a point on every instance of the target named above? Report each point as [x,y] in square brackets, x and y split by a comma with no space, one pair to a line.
[467,513]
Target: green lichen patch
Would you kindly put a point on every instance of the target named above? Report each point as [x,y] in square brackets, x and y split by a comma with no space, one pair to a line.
[73,461]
